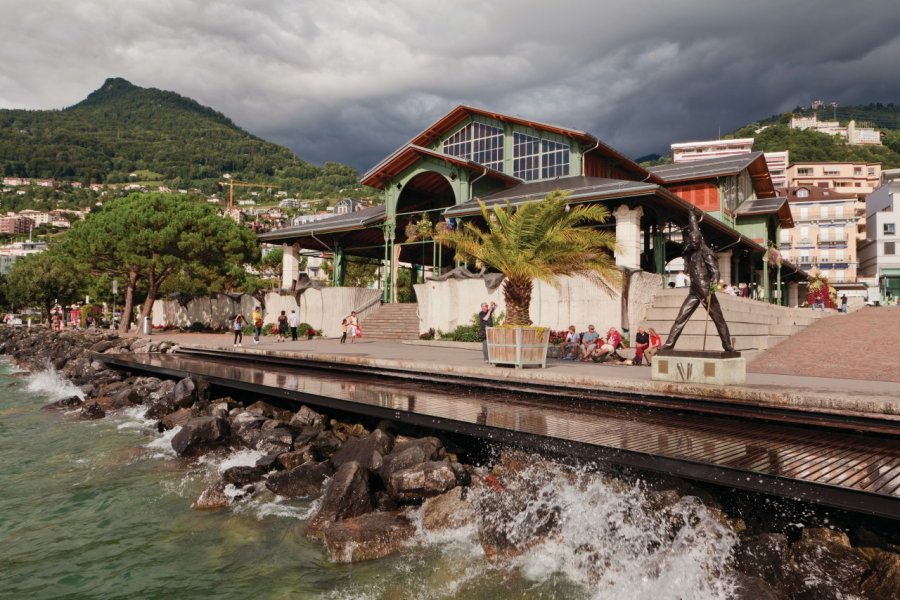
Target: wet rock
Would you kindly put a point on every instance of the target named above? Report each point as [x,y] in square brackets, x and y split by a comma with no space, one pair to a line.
[104,345]
[261,408]
[218,409]
[67,402]
[245,429]
[91,410]
[450,510]
[300,482]
[307,417]
[212,497]
[421,481]
[179,418]
[825,535]
[183,395]
[369,451]
[748,587]
[303,454]
[368,536]
[242,476]
[822,566]
[308,434]
[344,431]
[764,556]
[269,462]
[200,435]
[346,495]
[883,582]
[409,452]
[325,444]
[274,439]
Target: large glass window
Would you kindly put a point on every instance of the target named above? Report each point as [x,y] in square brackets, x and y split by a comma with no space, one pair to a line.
[889,229]
[534,158]
[478,142]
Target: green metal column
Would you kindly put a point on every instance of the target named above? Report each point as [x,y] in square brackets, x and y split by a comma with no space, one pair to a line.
[340,266]
[766,286]
[780,287]
[659,252]
[388,293]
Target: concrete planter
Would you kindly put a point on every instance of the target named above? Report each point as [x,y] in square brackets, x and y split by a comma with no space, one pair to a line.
[518,346]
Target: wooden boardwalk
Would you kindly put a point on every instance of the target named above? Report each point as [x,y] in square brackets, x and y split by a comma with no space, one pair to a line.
[815,462]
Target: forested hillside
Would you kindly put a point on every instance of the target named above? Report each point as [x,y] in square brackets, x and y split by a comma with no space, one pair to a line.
[774,134]
[121,129]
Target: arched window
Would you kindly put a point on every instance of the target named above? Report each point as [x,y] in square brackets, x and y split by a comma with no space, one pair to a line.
[803,193]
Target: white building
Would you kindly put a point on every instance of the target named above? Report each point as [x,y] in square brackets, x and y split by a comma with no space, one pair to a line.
[690,151]
[12,252]
[854,135]
[879,258]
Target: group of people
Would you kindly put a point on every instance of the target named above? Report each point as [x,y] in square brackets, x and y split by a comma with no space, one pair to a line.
[350,327]
[589,346]
[284,325]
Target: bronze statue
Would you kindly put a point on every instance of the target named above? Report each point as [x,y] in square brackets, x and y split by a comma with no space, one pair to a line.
[703,269]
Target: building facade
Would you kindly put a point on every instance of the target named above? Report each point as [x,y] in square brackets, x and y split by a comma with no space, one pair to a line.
[825,233]
[880,251]
[690,151]
[845,178]
[16,225]
[857,135]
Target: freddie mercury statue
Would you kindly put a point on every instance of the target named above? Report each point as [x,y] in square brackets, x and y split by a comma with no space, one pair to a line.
[703,269]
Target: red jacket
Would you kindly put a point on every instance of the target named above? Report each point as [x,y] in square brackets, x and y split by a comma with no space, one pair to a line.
[614,339]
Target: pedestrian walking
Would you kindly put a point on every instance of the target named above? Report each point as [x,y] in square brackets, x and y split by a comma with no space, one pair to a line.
[238,326]
[257,324]
[353,327]
[282,326]
[293,322]
[485,320]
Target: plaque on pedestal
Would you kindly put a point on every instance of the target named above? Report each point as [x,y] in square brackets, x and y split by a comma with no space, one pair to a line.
[694,366]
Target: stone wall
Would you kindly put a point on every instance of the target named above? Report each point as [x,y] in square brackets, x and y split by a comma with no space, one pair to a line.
[444,305]
[323,308]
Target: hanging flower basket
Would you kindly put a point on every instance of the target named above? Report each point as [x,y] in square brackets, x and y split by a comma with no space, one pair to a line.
[411,231]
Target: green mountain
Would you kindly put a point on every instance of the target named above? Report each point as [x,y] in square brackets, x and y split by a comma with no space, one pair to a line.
[774,134]
[122,128]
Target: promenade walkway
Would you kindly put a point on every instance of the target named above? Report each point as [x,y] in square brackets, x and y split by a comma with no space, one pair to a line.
[842,391]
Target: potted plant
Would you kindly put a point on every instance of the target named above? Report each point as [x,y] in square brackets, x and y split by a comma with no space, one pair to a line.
[542,240]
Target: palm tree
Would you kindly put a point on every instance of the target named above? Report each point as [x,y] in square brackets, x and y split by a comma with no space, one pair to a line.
[540,240]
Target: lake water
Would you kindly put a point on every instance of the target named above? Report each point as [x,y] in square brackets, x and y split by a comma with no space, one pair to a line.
[101,509]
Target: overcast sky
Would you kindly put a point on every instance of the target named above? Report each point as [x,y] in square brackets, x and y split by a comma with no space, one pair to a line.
[351,80]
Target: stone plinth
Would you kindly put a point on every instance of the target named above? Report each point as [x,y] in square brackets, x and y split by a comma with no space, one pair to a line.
[718,368]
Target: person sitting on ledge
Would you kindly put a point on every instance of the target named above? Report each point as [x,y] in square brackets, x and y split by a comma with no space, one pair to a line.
[655,345]
[589,343]
[612,341]
[641,343]
[571,345]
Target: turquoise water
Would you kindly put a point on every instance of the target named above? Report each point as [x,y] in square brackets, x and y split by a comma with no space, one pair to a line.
[102,510]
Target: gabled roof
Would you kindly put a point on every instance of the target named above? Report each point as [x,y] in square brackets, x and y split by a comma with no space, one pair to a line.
[697,170]
[767,206]
[462,112]
[580,189]
[405,157]
[359,219]
[818,194]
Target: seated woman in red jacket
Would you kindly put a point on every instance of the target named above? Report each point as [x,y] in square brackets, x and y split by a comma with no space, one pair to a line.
[655,344]
[612,341]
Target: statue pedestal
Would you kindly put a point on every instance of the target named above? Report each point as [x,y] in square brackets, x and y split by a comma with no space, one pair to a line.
[688,366]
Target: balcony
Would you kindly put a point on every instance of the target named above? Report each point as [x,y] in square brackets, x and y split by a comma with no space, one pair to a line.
[840,239]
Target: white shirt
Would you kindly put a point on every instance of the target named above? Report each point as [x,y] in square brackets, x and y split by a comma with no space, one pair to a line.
[293,320]
[681,280]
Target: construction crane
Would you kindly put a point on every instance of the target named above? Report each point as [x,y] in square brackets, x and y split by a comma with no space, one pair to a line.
[231,183]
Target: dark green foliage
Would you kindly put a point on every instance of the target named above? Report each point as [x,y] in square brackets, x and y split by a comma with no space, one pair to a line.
[121,128]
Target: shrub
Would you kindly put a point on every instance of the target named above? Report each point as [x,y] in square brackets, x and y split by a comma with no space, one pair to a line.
[197,326]
[428,335]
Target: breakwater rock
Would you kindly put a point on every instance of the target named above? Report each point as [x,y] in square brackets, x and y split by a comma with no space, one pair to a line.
[380,489]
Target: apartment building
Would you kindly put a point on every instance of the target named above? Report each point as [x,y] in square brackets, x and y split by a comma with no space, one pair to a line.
[16,225]
[777,162]
[856,135]
[825,233]
[879,254]
[845,178]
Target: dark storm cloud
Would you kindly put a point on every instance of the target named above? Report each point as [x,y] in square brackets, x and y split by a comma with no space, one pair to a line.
[352,80]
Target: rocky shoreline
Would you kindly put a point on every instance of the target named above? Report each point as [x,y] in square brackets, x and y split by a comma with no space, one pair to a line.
[379,486]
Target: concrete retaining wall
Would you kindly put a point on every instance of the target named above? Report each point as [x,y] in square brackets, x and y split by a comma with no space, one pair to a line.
[444,305]
[323,309]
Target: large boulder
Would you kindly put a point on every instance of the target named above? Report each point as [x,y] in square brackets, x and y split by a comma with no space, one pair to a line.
[274,438]
[302,481]
[883,582]
[410,452]
[346,495]
[424,480]
[245,429]
[753,588]
[451,510]
[68,402]
[261,408]
[823,565]
[765,556]
[325,444]
[307,417]
[242,475]
[368,536]
[369,451]
[91,410]
[295,458]
[212,497]
[200,435]
[184,393]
